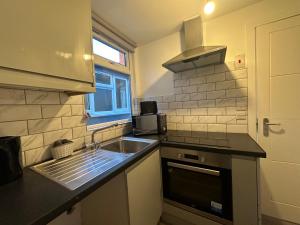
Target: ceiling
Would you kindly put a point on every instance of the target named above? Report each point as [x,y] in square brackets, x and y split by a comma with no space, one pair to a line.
[144,21]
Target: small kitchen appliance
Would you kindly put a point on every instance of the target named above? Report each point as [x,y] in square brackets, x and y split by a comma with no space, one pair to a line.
[149,121]
[10,168]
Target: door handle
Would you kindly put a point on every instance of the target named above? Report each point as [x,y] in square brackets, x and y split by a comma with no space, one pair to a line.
[195,169]
[266,124]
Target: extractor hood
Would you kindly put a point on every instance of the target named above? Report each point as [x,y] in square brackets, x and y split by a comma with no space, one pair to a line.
[196,55]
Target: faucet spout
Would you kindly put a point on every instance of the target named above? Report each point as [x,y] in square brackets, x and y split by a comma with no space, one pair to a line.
[101,129]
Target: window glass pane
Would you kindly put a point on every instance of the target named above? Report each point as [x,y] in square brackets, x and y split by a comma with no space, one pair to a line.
[103,78]
[105,51]
[103,100]
[121,94]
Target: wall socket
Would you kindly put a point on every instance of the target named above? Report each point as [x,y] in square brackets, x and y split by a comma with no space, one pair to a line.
[239,61]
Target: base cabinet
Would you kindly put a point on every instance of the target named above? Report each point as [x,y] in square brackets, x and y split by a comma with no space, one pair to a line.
[107,205]
[134,197]
[145,191]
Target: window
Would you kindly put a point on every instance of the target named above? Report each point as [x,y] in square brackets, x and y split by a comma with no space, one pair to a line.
[112,95]
[106,51]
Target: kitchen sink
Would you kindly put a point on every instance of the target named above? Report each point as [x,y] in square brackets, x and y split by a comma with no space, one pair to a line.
[83,166]
[127,145]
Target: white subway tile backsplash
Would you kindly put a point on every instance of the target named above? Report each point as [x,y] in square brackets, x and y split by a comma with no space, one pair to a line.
[184,126]
[198,80]
[199,111]
[73,100]
[41,97]
[183,112]
[190,104]
[216,94]
[225,102]
[215,77]
[199,127]
[49,111]
[205,70]
[206,87]
[216,128]
[12,96]
[44,125]
[77,110]
[175,105]
[175,119]
[32,141]
[207,119]
[208,99]
[181,83]
[162,106]
[216,111]
[73,121]
[226,119]
[15,128]
[182,97]
[189,89]
[198,96]
[242,101]
[37,155]
[190,119]
[52,136]
[42,117]
[169,98]
[225,85]
[235,93]
[206,103]
[19,112]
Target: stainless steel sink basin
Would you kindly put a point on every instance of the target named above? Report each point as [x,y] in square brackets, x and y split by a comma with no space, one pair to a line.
[85,165]
[127,145]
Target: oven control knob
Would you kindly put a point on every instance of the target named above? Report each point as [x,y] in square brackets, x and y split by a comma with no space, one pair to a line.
[179,156]
[202,159]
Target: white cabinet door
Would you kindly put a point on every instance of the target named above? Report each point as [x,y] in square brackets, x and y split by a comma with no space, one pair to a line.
[144,191]
[278,74]
[50,37]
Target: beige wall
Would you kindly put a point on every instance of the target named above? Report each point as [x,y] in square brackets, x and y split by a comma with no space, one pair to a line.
[234,30]
[151,78]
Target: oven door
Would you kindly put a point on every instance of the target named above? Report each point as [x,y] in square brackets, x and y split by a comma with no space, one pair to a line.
[197,186]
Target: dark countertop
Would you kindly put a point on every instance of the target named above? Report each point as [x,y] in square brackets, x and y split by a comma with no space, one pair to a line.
[217,142]
[36,200]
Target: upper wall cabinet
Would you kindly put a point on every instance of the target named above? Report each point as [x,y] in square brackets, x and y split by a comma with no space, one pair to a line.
[47,44]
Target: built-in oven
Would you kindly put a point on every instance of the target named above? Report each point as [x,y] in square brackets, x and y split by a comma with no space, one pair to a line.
[199,182]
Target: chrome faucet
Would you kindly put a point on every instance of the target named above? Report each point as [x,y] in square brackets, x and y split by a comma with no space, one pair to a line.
[101,129]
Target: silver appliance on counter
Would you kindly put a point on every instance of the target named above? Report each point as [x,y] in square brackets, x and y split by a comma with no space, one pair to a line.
[149,121]
[199,182]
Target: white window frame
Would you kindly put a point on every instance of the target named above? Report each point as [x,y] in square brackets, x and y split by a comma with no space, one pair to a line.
[101,61]
[112,87]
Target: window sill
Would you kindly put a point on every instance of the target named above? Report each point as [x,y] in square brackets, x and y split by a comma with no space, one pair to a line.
[100,125]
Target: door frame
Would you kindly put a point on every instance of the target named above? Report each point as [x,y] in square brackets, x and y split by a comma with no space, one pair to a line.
[251,31]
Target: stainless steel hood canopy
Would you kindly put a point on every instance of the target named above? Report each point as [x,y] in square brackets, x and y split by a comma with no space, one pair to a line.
[195,55]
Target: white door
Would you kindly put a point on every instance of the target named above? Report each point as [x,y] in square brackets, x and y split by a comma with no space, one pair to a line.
[278,76]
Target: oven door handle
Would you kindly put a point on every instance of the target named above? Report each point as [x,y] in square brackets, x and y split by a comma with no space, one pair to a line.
[195,169]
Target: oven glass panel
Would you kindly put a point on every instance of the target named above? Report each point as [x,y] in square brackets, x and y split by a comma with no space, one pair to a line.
[206,192]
